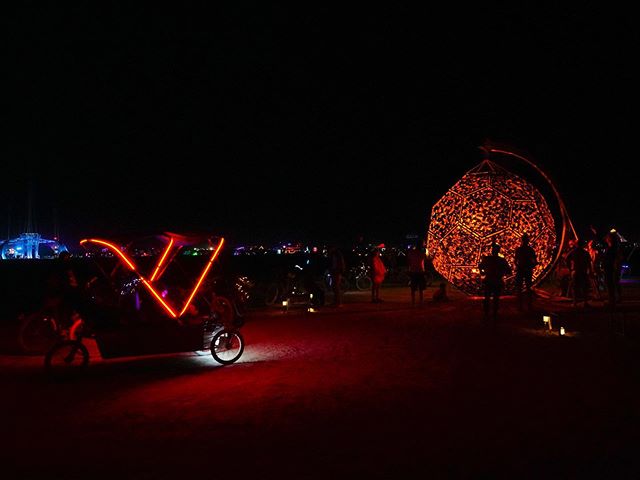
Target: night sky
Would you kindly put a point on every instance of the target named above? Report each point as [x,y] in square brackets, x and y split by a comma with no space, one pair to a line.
[313,123]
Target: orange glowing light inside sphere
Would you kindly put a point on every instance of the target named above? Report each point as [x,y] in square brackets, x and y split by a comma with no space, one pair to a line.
[488,204]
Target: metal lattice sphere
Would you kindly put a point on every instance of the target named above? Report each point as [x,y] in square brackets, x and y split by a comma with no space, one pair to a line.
[488,204]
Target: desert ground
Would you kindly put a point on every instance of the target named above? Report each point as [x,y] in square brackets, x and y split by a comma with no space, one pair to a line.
[381,390]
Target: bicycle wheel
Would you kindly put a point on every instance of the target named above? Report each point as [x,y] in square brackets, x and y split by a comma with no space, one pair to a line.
[66,358]
[38,332]
[363,283]
[227,346]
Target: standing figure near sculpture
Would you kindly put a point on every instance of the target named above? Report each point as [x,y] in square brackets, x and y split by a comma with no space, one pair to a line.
[378,272]
[525,261]
[563,272]
[493,268]
[579,263]
[612,266]
[597,273]
[416,257]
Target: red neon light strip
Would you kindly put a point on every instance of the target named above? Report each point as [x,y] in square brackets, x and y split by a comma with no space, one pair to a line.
[164,255]
[131,265]
[159,298]
[149,287]
[204,274]
[115,249]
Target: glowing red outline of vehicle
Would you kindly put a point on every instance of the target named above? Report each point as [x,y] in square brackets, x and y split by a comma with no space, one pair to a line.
[147,284]
[164,255]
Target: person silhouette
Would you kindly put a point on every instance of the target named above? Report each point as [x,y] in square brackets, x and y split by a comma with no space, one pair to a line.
[612,266]
[65,289]
[525,260]
[579,263]
[416,257]
[597,274]
[378,272]
[563,272]
[337,268]
[493,268]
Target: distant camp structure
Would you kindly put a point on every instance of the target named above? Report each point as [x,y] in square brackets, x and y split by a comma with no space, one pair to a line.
[30,246]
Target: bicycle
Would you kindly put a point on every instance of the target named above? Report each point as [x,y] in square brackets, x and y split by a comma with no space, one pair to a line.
[38,331]
[357,277]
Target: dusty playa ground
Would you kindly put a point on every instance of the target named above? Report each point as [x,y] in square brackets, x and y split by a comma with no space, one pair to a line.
[378,390]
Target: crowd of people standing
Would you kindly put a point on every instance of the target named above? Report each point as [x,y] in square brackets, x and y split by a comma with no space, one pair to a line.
[592,269]
[587,270]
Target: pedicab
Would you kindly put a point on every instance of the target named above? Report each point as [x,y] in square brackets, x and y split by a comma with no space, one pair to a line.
[151,300]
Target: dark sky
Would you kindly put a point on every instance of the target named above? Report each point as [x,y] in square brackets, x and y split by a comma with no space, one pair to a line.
[268,123]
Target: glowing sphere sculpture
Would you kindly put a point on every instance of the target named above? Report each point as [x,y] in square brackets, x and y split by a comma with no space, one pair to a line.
[488,204]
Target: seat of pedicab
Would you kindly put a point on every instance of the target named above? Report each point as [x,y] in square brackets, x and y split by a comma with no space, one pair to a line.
[146,335]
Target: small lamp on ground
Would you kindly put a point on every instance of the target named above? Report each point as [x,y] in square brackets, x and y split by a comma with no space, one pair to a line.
[310,304]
